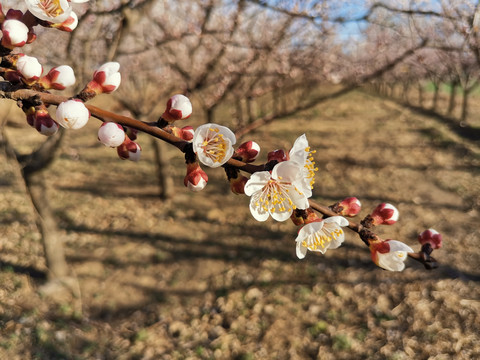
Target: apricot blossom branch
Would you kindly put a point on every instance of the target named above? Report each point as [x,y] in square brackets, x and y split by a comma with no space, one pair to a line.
[281,188]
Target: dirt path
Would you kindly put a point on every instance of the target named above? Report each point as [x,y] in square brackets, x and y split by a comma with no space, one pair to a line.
[199,278]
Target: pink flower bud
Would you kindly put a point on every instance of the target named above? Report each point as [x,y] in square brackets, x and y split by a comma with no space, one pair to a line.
[59,78]
[108,77]
[29,68]
[248,151]
[179,107]
[14,14]
[385,214]
[15,34]
[351,206]
[196,179]
[40,119]
[129,150]
[72,114]
[30,113]
[278,155]
[44,123]
[111,134]
[187,133]
[132,133]
[432,237]
[237,185]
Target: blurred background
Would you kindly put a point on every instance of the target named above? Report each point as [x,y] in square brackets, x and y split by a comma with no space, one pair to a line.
[125,263]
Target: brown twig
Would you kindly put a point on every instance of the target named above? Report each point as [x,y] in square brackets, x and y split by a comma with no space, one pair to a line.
[150,128]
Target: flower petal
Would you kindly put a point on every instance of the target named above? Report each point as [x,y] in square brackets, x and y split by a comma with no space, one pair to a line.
[396,245]
[298,153]
[258,212]
[256,182]
[301,250]
[281,215]
[392,261]
[340,220]
[287,171]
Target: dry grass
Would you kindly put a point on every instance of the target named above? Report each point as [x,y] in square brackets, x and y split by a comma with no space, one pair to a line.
[198,278]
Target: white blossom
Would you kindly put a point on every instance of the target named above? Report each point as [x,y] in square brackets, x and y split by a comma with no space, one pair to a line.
[301,154]
[54,11]
[390,254]
[276,194]
[321,235]
[213,144]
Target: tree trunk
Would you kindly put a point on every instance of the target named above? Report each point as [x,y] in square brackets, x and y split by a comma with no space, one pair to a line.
[239,112]
[46,223]
[464,114]
[275,101]
[436,92]
[165,180]
[210,114]
[250,115]
[451,99]
[420,94]
[405,90]
[31,167]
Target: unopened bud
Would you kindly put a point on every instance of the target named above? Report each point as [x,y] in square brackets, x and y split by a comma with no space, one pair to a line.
[303,217]
[186,133]
[58,78]
[44,123]
[196,179]
[248,151]
[108,77]
[179,107]
[14,14]
[111,134]
[15,33]
[237,185]
[132,133]
[29,68]
[385,214]
[350,207]
[72,114]
[129,150]
[432,237]
[278,155]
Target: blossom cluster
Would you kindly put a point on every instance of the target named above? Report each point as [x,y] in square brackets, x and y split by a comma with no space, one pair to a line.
[281,190]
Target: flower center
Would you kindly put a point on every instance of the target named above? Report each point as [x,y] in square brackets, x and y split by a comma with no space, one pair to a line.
[215,146]
[310,167]
[274,197]
[51,8]
[321,239]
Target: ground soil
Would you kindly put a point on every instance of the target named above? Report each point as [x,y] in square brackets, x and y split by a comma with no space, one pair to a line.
[197,277]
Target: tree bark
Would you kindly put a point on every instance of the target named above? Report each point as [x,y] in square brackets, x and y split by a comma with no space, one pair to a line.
[165,180]
[452,97]
[420,94]
[31,167]
[464,114]
[436,92]
[47,225]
